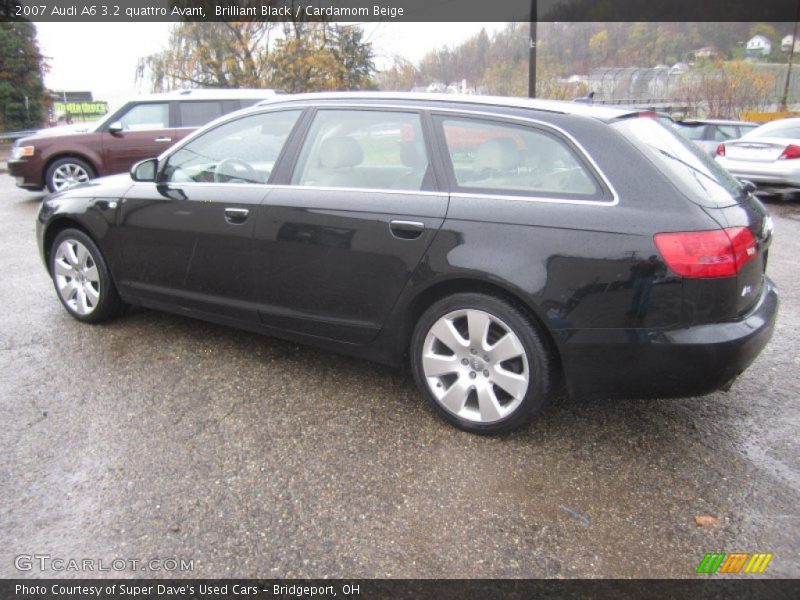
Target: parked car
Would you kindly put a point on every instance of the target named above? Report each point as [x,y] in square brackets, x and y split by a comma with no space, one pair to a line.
[65,156]
[766,156]
[708,133]
[499,246]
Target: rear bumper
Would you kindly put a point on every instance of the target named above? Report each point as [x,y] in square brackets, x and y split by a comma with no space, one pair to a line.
[28,173]
[645,363]
[778,173]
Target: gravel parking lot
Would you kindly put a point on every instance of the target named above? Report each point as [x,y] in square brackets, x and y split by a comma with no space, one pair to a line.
[157,436]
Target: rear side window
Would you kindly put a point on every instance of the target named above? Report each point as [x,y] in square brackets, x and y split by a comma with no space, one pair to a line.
[195,114]
[488,156]
[364,149]
[686,165]
[240,151]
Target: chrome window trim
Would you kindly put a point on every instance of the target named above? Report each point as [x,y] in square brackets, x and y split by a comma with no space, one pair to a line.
[548,199]
[281,186]
[289,105]
[354,189]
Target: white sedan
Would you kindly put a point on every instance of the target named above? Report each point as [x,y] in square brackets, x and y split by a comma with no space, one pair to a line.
[767,156]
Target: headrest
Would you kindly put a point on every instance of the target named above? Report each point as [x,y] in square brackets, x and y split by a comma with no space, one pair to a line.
[412,155]
[340,152]
[497,154]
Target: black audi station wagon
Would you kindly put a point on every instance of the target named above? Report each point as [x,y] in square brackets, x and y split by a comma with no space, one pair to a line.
[503,248]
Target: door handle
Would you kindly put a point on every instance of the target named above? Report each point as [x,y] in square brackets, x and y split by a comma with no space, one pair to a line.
[407,230]
[236,216]
[163,139]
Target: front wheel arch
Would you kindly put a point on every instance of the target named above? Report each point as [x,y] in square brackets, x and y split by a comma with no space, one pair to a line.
[82,278]
[52,231]
[66,155]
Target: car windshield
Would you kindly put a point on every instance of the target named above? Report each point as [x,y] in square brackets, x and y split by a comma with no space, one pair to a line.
[777,129]
[699,176]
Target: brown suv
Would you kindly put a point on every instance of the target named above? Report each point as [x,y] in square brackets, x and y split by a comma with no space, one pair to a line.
[142,128]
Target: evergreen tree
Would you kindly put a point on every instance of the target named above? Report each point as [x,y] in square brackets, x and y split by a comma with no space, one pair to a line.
[22,94]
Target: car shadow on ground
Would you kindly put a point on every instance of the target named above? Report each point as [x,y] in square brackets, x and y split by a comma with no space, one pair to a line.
[644,423]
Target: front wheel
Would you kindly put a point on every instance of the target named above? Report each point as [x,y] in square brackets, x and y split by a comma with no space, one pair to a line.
[82,279]
[481,363]
[68,172]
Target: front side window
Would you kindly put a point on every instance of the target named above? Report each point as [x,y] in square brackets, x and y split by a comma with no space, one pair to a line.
[144,117]
[363,149]
[240,151]
[692,132]
[495,157]
[723,133]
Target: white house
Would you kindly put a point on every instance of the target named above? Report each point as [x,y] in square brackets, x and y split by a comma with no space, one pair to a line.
[786,44]
[758,45]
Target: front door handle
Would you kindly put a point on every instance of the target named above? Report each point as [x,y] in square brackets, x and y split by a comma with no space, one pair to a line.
[407,230]
[236,216]
[163,139]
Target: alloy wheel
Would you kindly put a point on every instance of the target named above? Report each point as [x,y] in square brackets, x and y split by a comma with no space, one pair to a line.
[475,366]
[68,175]
[77,277]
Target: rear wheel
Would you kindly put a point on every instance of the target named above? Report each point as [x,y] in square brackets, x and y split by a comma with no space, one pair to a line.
[67,172]
[82,279]
[481,363]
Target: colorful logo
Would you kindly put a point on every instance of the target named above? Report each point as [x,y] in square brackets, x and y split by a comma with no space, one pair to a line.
[734,562]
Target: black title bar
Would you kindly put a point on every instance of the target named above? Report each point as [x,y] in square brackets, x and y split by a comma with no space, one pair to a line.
[771,11]
[376,589]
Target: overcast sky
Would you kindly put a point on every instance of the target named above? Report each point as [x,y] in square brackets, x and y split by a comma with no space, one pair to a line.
[102,57]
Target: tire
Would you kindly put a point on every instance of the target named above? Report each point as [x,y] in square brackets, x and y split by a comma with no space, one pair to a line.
[81,278]
[499,372]
[67,172]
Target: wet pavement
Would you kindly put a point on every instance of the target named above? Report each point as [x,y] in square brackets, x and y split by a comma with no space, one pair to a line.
[159,437]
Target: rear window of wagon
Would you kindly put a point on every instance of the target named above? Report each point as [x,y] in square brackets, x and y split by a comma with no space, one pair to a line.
[692,171]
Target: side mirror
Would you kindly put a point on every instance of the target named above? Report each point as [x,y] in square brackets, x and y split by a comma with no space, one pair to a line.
[748,186]
[145,170]
[115,127]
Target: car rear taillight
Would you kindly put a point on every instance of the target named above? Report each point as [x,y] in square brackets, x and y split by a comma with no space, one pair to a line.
[706,254]
[721,150]
[791,151]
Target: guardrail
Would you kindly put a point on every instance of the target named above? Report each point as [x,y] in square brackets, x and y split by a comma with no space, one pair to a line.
[12,136]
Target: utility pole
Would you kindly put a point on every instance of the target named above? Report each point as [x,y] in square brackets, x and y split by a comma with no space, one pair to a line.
[785,97]
[532,52]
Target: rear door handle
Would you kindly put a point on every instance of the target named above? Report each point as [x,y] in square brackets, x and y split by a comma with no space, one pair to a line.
[236,216]
[407,230]
[163,139]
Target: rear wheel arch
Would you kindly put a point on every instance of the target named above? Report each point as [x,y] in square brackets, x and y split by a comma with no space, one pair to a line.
[426,298]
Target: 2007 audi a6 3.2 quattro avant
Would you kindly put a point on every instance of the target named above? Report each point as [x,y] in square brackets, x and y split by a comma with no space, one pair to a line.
[502,247]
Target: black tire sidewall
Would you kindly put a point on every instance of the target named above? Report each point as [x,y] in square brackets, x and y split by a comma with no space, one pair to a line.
[110,303]
[540,361]
[48,176]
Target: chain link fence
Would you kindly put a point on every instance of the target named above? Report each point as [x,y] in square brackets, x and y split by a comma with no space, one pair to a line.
[710,90]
